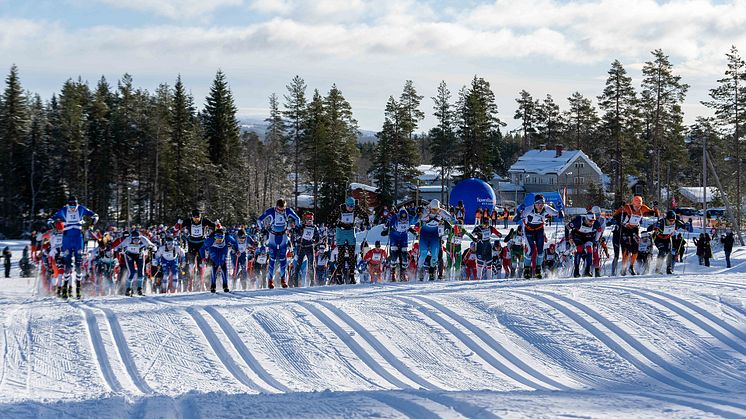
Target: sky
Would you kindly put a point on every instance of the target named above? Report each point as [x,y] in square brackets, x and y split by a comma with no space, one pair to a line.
[369,48]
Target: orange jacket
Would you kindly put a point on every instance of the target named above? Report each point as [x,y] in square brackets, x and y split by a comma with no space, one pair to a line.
[631,218]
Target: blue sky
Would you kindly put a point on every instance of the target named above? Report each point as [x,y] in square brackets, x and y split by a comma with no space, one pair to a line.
[368,48]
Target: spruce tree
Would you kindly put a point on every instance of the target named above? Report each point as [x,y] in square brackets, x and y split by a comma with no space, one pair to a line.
[444,143]
[550,122]
[479,131]
[582,125]
[295,113]
[14,125]
[526,112]
[315,145]
[101,143]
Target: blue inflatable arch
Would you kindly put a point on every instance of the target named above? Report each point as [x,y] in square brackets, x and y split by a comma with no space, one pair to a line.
[475,193]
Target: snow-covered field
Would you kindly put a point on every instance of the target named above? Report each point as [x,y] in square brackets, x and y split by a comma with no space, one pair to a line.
[647,346]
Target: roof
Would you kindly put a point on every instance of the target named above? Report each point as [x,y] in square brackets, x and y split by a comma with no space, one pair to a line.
[368,188]
[432,188]
[546,162]
[694,193]
[429,173]
[509,187]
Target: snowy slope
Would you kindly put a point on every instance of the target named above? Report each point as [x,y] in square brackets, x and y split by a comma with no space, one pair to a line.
[628,347]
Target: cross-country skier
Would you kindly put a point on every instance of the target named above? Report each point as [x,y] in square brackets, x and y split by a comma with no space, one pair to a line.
[72,238]
[630,217]
[216,246]
[195,229]
[663,231]
[343,217]
[278,220]
[430,223]
[134,246]
[169,257]
[584,233]
[398,230]
[534,218]
[308,236]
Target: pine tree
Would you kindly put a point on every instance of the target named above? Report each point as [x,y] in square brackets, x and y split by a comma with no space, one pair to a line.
[478,129]
[729,103]
[316,143]
[444,143]
[275,137]
[101,143]
[620,121]
[382,168]
[662,96]
[549,121]
[295,112]
[526,112]
[582,125]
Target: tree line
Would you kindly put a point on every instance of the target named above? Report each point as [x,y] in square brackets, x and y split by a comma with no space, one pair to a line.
[141,157]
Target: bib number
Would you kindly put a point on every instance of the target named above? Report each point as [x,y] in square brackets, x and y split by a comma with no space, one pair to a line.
[456,240]
[376,257]
[486,234]
[308,233]
[262,259]
[585,229]
[634,220]
[197,230]
[668,230]
[347,218]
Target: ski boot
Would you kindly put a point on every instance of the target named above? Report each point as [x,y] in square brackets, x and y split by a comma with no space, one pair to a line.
[59,291]
[576,272]
[225,289]
[537,275]
[64,291]
[212,289]
[431,274]
[77,290]
[139,290]
[598,272]
[587,272]
[271,284]
[632,271]
[284,283]
[527,272]
[128,292]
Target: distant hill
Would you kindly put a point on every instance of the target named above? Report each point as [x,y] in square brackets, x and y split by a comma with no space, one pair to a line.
[259,126]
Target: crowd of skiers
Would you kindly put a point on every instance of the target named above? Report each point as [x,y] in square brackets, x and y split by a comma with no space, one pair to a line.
[423,244]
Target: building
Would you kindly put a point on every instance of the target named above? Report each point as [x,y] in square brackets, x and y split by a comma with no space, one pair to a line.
[554,170]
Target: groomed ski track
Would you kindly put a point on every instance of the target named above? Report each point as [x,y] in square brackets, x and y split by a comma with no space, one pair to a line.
[645,346]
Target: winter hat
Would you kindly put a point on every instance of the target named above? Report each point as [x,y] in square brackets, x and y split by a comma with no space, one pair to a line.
[637,200]
[538,198]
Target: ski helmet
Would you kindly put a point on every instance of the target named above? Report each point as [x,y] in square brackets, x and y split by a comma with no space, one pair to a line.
[59,225]
[637,200]
[670,215]
[350,201]
[72,201]
[241,233]
[434,204]
[378,244]
[538,199]
[596,209]
[308,218]
[196,213]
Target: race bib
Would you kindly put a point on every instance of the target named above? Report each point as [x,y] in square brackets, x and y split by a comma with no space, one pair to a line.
[643,247]
[456,240]
[321,262]
[634,220]
[197,230]
[486,234]
[585,229]
[308,233]
[495,253]
[472,257]
[549,257]
[72,217]
[441,230]
[394,248]
[668,230]
[279,220]
[261,259]
[376,257]
[402,227]
[348,218]
[133,249]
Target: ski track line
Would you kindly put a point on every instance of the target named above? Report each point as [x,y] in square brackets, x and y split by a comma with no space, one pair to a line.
[245,353]
[379,347]
[467,409]
[511,372]
[692,317]
[634,343]
[698,323]
[99,350]
[406,407]
[712,282]
[355,347]
[717,400]
[492,343]
[688,403]
[611,343]
[123,349]
[220,351]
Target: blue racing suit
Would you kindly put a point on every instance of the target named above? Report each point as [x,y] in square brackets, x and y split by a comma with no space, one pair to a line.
[219,257]
[277,244]
[430,232]
[72,235]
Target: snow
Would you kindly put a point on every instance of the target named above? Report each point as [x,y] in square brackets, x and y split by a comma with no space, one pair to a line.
[545,162]
[695,194]
[644,346]
[367,188]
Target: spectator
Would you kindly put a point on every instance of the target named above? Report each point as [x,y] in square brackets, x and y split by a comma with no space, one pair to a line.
[506,216]
[6,256]
[689,226]
[707,249]
[727,240]
[493,216]
[699,242]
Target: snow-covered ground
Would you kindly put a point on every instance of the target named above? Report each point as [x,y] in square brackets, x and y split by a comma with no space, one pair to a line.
[648,346]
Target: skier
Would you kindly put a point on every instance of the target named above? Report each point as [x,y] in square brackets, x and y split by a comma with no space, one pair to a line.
[322,263]
[663,231]
[344,218]
[195,229]
[217,245]
[72,238]
[134,246]
[470,262]
[240,257]
[398,231]
[482,235]
[597,248]
[168,258]
[516,243]
[308,238]
[260,266]
[643,251]
[277,221]
[534,218]
[551,259]
[630,217]
[584,233]
[375,259]
[430,236]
